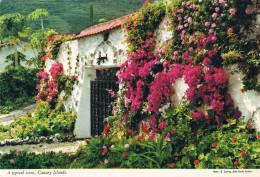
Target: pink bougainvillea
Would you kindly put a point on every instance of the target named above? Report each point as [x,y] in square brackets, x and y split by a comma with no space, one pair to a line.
[50,85]
[148,75]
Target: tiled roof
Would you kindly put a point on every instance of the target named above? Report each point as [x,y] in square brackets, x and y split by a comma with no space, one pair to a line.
[102,27]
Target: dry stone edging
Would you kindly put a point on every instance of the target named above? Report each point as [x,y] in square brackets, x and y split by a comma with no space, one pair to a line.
[62,147]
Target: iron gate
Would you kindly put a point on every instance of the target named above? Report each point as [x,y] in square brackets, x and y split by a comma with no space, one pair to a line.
[101,99]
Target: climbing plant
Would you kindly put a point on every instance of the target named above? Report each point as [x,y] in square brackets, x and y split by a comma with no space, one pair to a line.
[207,36]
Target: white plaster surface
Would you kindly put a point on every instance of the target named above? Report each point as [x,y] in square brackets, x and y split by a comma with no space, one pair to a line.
[248,102]
[179,87]
[163,34]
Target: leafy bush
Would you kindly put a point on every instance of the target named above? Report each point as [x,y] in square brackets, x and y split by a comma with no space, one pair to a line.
[42,122]
[17,87]
[24,160]
[183,143]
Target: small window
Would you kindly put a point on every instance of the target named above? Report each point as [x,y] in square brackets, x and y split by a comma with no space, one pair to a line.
[106,36]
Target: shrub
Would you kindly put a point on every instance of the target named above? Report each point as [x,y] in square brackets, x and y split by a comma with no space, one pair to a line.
[25,160]
[43,123]
[179,142]
[17,87]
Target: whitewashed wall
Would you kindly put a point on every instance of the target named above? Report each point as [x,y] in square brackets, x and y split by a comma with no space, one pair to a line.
[83,60]
[85,51]
[248,102]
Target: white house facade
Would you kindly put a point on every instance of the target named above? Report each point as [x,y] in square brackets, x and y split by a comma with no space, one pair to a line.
[101,49]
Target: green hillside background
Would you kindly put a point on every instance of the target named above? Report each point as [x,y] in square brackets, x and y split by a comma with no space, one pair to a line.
[72,16]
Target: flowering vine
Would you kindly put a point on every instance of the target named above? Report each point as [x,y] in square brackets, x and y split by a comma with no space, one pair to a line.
[52,83]
[203,31]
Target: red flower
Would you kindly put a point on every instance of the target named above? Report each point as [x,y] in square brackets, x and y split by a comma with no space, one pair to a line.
[258,136]
[163,125]
[214,145]
[48,100]
[236,162]
[249,126]
[234,140]
[230,30]
[201,42]
[139,137]
[38,87]
[207,61]
[196,162]
[149,33]
[152,122]
[171,165]
[105,150]
[129,131]
[198,116]
[144,128]
[243,154]
[43,75]
[168,136]
[146,2]
[106,129]
[249,10]
[212,38]
[51,37]
[173,131]
[53,92]
[120,126]
[212,52]
[55,70]
[152,136]
[74,77]
[232,11]
[125,154]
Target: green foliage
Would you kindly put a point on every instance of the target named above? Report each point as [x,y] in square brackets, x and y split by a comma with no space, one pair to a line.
[71,17]
[24,160]
[11,59]
[17,87]
[231,57]
[39,39]
[146,21]
[234,144]
[42,122]
[38,14]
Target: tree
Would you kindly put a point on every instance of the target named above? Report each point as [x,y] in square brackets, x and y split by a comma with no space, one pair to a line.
[12,30]
[38,42]
[12,59]
[38,14]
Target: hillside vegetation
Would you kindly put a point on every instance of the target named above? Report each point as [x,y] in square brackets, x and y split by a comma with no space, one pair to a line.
[72,16]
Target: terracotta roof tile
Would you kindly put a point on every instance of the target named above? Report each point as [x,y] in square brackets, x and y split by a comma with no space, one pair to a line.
[102,27]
